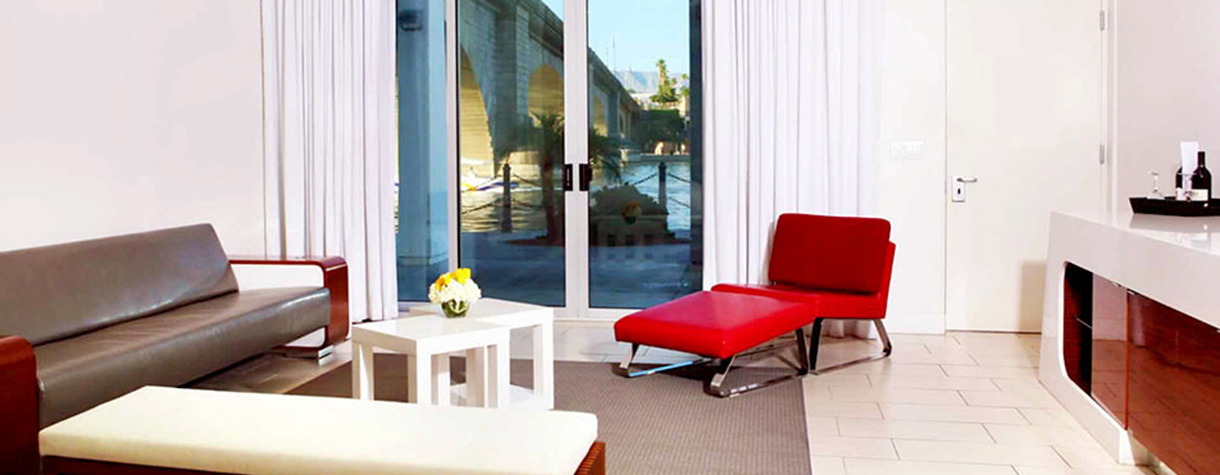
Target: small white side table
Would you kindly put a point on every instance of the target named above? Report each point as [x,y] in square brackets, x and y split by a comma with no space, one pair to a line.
[514,315]
[427,342]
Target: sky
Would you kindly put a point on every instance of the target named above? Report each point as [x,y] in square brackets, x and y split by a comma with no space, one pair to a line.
[634,34]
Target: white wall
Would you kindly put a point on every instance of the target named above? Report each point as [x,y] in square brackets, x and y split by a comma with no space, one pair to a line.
[165,98]
[119,116]
[1167,83]
[912,193]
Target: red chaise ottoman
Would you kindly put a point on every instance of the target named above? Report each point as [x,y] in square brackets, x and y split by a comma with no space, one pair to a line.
[715,325]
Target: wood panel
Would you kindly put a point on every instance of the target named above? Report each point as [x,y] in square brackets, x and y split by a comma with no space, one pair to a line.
[1077,338]
[1174,386]
[18,407]
[1108,365]
[594,463]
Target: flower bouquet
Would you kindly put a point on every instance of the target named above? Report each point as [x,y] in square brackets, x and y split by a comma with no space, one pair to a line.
[455,291]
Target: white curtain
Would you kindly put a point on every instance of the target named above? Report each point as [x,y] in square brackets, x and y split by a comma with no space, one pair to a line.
[329,140]
[791,123]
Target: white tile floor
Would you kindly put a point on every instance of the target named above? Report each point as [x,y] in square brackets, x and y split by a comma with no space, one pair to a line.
[961,403]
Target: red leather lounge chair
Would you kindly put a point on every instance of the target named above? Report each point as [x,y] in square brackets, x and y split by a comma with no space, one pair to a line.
[839,266]
[821,267]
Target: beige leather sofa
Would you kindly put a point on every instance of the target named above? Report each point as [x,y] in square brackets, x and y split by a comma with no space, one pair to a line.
[86,322]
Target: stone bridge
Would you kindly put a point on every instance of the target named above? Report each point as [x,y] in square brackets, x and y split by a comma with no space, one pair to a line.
[511,70]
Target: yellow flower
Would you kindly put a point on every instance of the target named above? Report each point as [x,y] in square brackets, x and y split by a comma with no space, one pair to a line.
[462,275]
[443,280]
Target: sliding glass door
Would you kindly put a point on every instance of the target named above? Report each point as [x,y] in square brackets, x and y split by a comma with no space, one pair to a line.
[577,153]
[511,147]
[646,197]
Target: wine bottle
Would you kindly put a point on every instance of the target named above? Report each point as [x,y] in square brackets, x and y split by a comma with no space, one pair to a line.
[1201,181]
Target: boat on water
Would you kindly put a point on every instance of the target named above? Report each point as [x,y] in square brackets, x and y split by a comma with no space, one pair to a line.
[475,184]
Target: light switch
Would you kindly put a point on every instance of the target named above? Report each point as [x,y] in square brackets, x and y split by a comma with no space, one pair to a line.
[910,150]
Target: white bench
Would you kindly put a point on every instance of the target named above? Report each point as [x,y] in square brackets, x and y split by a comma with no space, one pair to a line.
[167,430]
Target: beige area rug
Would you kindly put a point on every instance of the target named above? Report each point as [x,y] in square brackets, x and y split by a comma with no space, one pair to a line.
[660,424]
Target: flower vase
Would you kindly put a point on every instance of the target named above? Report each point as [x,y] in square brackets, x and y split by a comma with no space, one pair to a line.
[455,308]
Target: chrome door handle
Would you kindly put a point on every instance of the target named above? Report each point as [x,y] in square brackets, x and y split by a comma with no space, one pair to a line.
[959,187]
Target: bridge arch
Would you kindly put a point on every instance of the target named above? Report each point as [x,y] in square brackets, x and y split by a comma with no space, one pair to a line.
[475,129]
[599,116]
[545,92]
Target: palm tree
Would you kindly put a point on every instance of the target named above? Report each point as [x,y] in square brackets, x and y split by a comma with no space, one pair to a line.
[665,86]
[547,139]
[544,134]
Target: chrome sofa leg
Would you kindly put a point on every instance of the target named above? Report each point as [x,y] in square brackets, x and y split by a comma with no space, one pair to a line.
[887,347]
[321,354]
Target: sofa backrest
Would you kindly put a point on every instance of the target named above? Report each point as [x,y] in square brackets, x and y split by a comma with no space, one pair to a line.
[55,292]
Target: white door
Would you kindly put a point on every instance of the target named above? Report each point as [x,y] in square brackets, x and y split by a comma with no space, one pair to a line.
[1024,120]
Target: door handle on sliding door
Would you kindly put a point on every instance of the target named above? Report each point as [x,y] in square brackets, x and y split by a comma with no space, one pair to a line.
[586,176]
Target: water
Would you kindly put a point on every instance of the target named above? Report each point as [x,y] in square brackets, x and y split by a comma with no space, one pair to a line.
[523,265]
[482,196]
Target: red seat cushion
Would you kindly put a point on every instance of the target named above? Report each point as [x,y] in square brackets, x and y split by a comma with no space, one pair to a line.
[713,324]
[825,304]
[829,252]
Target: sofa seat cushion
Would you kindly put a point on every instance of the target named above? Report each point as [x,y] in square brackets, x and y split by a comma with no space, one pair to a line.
[825,304]
[713,324]
[229,432]
[172,348]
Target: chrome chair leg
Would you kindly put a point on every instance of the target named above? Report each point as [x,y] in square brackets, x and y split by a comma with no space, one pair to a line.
[816,341]
[624,368]
[715,385]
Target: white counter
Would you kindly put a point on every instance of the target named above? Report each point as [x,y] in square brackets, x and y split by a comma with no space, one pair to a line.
[1173,260]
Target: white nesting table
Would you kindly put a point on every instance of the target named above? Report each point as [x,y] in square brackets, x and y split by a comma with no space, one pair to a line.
[515,315]
[427,341]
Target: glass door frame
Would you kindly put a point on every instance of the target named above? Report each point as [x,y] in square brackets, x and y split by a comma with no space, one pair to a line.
[576,154]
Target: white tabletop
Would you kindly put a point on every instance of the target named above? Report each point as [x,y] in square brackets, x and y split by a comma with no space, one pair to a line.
[496,311]
[1173,260]
[1200,233]
[425,327]
[429,334]
[264,434]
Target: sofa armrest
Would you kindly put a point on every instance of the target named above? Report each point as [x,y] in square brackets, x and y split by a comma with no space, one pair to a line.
[18,406]
[334,278]
[595,461]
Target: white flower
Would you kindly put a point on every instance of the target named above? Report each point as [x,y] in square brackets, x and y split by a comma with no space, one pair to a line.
[455,291]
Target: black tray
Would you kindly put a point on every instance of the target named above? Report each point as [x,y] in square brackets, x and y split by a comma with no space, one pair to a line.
[1173,207]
